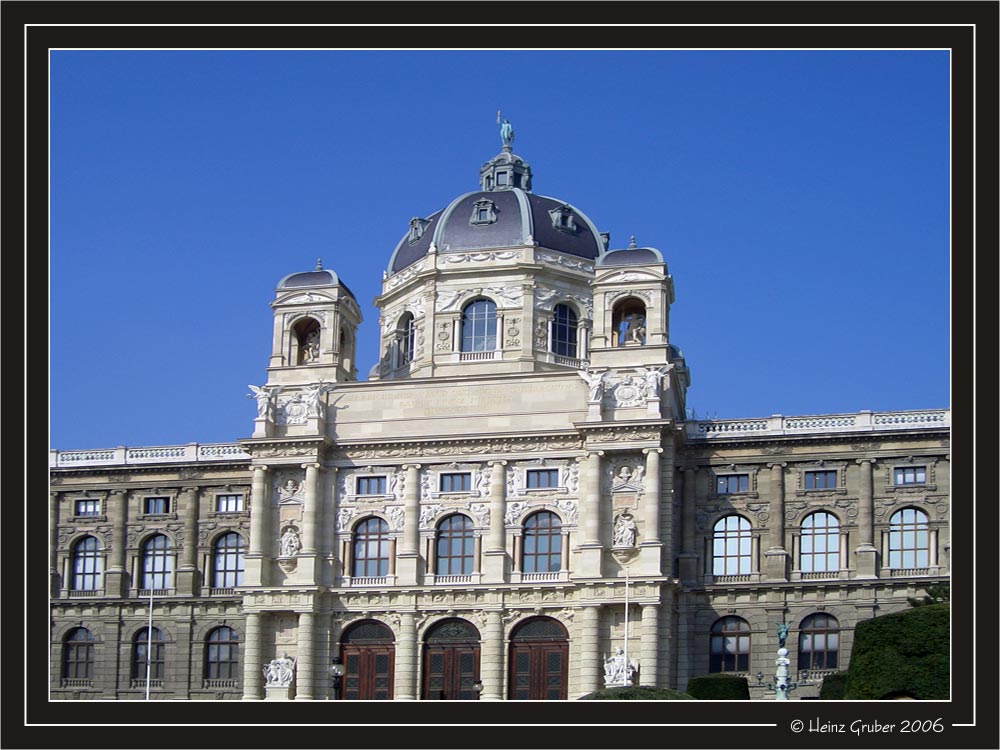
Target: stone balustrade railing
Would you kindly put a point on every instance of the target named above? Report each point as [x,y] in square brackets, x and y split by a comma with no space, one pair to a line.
[166,454]
[863,421]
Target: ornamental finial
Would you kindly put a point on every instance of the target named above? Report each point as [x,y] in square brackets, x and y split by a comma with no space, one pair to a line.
[631,242]
[319,264]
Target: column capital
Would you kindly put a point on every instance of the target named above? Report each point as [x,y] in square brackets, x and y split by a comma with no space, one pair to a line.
[312,465]
[191,488]
[260,467]
[497,462]
[412,466]
[776,464]
[647,451]
[593,452]
[865,460]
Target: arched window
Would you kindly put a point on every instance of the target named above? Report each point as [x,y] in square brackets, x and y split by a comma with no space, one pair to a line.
[820,543]
[404,339]
[88,565]
[157,563]
[729,647]
[371,549]
[731,547]
[479,326]
[222,654]
[564,324]
[456,546]
[307,337]
[819,642]
[142,646]
[542,543]
[629,322]
[909,539]
[228,561]
[78,655]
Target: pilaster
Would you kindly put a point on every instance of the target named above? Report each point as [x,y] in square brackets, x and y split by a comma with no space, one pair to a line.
[866,554]
[776,559]
[255,573]
[591,510]
[253,682]
[688,558]
[495,556]
[116,579]
[405,688]
[491,671]
[408,558]
[305,667]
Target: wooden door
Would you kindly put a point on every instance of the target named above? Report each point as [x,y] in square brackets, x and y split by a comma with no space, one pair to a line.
[368,672]
[538,670]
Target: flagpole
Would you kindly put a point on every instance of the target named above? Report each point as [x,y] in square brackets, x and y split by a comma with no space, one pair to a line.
[149,642]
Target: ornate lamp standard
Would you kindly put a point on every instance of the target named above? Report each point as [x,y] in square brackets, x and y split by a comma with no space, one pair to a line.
[336,674]
[781,686]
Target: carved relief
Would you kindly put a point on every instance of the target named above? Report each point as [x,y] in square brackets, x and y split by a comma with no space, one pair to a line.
[396,515]
[444,337]
[560,260]
[405,275]
[480,257]
[458,448]
[513,332]
[482,513]
[514,511]
[344,517]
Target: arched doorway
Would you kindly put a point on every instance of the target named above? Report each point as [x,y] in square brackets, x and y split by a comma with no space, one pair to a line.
[539,656]
[368,651]
[451,661]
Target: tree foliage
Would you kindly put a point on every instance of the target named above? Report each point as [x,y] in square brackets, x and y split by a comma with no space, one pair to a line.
[636,693]
[719,687]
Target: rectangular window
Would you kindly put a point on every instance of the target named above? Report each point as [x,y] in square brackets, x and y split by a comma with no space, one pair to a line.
[542,478]
[157,505]
[501,178]
[910,475]
[456,482]
[88,507]
[371,485]
[228,503]
[727,485]
[821,480]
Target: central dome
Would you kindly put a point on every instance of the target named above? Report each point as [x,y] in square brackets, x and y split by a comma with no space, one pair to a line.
[504,213]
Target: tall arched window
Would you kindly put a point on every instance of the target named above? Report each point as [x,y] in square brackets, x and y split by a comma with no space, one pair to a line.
[542,543]
[564,325]
[78,655]
[222,654]
[142,647]
[479,326]
[371,549]
[729,647]
[157,563]
[88,565]
[909,539]
[228,561]
[820,543]
[404,339]
[819,642]
[731,547]
[456,546]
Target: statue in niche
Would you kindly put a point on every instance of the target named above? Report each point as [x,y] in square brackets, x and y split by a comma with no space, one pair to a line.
[595,382]
[625,531]
[278,672]
[617,670]
[632,329]
[653,379]
[310,349]
[289,543]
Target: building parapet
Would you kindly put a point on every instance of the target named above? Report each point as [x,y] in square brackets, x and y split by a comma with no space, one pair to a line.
[164,454]
[863,421]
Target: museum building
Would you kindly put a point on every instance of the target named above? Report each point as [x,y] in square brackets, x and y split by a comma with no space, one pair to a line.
[513,497]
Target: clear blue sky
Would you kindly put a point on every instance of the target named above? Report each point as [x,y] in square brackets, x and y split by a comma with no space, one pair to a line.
[799,198]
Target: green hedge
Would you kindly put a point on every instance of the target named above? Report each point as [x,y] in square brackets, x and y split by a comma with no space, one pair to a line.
[637,693]
[905,652]
[719,687]
[833,687]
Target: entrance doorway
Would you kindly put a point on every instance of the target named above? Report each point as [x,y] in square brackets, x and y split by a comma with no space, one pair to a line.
[368,651]
[539,657]
[451,661]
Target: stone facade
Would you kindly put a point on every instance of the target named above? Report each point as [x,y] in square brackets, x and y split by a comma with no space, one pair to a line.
[452,519]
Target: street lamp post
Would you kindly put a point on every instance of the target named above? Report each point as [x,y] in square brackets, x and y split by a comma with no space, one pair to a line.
[477,685]
[336,674]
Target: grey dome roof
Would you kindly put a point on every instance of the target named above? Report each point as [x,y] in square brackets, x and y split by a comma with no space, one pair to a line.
[516,217]
[632,256]
[317,277]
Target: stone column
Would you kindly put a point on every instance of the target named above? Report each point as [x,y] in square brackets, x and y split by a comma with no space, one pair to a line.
[866,555]
[305,665]
[650,644]
[591,512]
[306,564]
[495,563]
[491,672]
[688,558]
[253,679]
[776,556]
[405,688]
[55,578]
[260,512]
[116,579]
[326,544]
[591,663]
[408,558]
[322,680]
[649,560]
[187,571]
